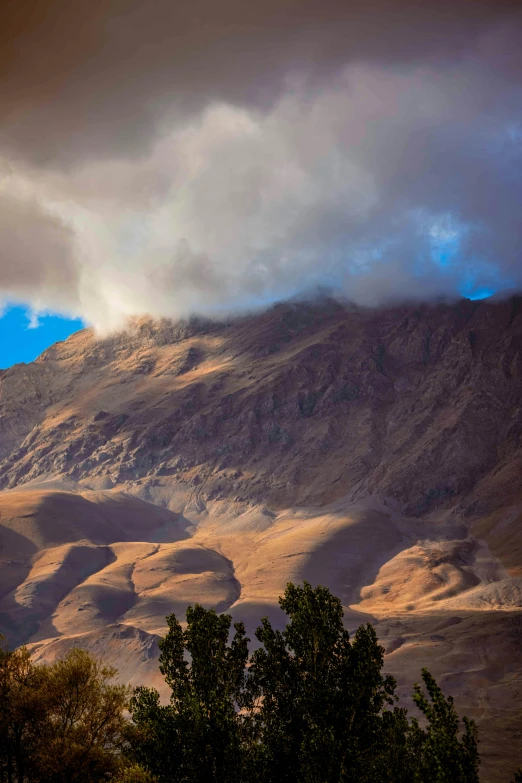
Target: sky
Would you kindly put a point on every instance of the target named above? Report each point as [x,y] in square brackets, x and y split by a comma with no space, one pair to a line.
[23,338]
[172,159]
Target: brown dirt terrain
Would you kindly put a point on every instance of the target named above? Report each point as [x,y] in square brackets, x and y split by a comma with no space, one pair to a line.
[376,452]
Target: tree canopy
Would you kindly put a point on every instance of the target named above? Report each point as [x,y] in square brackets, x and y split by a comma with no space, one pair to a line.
[63,723]
[308,705]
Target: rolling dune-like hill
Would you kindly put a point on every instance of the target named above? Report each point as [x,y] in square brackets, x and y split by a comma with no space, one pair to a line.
[378,452]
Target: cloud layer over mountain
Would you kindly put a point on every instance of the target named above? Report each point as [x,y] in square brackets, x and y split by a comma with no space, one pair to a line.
[156,159]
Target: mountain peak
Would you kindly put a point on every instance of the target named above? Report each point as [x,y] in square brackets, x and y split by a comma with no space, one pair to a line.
[375,451]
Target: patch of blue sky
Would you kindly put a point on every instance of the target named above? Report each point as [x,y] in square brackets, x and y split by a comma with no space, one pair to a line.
[478,279]
[23,337]
[478,293]
[445,238]
[482,280]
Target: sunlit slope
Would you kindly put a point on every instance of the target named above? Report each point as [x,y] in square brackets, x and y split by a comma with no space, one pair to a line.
[376,452]
[295,406]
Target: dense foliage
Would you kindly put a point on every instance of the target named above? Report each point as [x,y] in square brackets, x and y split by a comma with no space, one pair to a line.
[63,723]
[310,705]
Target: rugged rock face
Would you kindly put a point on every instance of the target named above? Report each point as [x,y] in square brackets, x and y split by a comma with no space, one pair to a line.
[299,405]
[379,452]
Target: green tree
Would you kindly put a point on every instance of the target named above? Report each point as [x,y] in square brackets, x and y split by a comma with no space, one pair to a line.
[312,706]
[197,737]
[22,715]
[85,730]
[158,740]
[133,773]
[445,756]
[62,723]
[317,701]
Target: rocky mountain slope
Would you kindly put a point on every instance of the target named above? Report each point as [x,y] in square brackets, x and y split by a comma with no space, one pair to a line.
[378,452]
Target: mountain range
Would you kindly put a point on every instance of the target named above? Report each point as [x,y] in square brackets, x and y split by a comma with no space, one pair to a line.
[376,451]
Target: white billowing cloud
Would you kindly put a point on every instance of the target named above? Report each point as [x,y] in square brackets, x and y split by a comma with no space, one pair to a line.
[386,184]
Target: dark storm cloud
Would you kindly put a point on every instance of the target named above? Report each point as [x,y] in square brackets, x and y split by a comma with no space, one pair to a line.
[171,158]
[94,78]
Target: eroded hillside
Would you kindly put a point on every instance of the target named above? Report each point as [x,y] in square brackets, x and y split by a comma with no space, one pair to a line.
[377,452]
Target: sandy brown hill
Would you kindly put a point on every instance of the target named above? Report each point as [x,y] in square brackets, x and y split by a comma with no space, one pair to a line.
[377,452]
